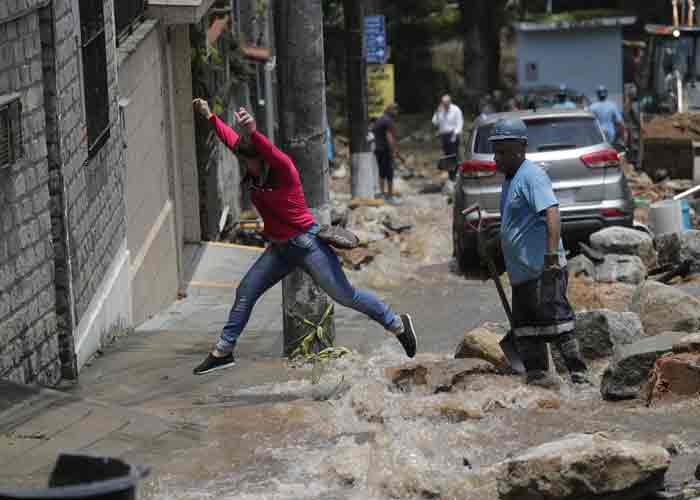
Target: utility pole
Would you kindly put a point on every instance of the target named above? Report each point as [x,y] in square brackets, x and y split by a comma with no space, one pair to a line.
[362,172]
[302,112]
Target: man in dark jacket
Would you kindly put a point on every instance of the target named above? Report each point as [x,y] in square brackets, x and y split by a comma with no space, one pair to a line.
[385,148]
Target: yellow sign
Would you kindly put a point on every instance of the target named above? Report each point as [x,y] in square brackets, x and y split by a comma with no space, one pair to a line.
[380,88]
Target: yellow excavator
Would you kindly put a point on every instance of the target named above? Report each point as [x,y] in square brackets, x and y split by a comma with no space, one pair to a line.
[665,113]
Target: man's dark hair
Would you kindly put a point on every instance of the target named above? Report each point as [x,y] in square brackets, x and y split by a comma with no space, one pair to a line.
[246,149]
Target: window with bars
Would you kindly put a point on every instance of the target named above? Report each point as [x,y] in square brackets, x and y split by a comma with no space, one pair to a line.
[128,14]
[10,131]
[94,51]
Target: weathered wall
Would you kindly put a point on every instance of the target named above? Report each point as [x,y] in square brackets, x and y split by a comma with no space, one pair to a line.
[93,294]
[150,210]
[28,341]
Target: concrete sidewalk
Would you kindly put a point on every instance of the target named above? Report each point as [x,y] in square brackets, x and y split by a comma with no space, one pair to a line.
[37,424]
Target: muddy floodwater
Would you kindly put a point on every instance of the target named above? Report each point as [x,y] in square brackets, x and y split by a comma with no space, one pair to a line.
[354,435]
[344,430]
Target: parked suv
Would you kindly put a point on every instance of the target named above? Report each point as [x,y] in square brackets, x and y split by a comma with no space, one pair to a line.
[569,145]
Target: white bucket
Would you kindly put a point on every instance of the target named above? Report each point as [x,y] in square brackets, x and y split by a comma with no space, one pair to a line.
[666,217]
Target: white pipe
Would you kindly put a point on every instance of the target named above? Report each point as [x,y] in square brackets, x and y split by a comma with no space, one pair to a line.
[686,193]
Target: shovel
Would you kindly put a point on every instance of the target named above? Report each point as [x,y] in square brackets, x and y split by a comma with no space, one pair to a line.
[507,343]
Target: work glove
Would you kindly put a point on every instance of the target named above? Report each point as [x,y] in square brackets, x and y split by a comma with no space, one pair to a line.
[549,289]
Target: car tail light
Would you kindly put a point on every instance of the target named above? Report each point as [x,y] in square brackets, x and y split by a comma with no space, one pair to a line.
[602,159]
[477,168]
[612,212]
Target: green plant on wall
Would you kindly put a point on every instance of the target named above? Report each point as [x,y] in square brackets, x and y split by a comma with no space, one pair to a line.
[261,7]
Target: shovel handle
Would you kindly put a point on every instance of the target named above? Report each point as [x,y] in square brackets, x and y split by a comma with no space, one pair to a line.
[474,207]
[489,261]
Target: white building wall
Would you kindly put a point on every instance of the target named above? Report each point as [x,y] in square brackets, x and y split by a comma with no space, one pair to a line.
[580,58]
[151,234]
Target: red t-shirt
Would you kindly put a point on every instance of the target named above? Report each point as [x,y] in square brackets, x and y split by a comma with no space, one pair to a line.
[280,201]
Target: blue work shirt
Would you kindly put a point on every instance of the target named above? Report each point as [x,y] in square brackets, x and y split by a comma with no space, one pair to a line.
[608,115]
[523,224]
[564,105]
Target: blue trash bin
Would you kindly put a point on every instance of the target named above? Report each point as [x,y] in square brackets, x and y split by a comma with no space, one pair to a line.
[685,211]
[85,477]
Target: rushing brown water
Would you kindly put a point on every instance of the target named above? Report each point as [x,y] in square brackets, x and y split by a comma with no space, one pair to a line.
[355,435]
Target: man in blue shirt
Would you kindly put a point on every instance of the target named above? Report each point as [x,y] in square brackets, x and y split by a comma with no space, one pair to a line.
[563,101]
[608,116]
[535,259]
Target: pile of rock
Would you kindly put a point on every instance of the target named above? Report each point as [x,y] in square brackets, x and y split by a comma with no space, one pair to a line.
[372,221]
[618,254]
[574,466]
[676,248]
[663,323]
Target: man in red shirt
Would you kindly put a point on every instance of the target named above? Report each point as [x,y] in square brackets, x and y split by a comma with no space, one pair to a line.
[277,194]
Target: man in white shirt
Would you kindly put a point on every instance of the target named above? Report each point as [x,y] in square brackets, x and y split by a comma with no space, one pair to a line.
[450,122]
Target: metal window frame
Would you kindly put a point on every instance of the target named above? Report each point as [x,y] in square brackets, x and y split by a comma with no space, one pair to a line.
[136,15]
[11,114]
[96,36]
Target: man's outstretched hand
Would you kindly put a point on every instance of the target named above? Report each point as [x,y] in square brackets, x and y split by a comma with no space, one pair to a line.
[246,122]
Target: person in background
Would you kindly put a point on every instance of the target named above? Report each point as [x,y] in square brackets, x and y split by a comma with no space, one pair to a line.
[608,116]
[563,101]
[449,120]
[512,105]
[385,147]
[277,194]
[331,149]
[535,261]
[486,106]
[370,133]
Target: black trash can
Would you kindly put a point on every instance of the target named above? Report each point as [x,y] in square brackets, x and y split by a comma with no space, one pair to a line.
[86,477]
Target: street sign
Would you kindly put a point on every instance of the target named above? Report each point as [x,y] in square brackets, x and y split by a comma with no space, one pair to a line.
[380,88]
[375,39]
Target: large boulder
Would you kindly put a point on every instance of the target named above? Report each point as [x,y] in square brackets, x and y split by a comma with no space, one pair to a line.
[631,364]
[625,241]
[482,343]
[689,343]
[676,374]
[427,374]
[588,294]
[664,308]
[690,249]
[581,266]
[674,248]
[621,268]
[668,248]
[585,466]
[599,331]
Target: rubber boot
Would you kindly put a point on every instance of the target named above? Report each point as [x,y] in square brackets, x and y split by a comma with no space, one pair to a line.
[569,349]
[534,354]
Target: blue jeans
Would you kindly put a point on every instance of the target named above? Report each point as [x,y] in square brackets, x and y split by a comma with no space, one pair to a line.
[307,252]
